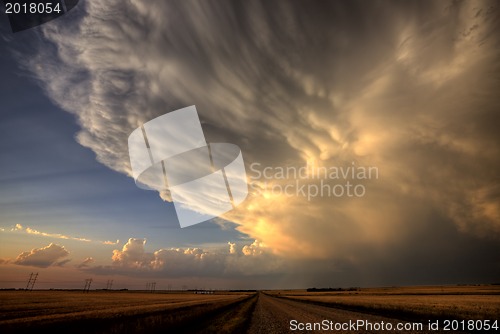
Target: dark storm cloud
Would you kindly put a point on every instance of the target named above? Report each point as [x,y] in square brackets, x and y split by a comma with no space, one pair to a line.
[409,87]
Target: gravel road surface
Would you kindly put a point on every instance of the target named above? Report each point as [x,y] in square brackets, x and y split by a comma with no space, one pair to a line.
[273,315]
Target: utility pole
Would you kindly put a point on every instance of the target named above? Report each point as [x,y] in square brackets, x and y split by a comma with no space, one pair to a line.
[31,282]
[151,286]
[34,280]
[88,281]
[109,284]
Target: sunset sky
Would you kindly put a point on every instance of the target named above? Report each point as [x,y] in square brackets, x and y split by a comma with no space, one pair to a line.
[410,88]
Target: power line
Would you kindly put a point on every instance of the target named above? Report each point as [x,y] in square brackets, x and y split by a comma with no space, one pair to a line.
[88,281]
[31,282]
[35,279]
[151,286]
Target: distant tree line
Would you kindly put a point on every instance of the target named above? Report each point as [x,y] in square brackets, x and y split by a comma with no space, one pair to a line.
[330,289]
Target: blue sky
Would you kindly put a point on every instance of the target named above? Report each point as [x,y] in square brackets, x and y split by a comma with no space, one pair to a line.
[52,184]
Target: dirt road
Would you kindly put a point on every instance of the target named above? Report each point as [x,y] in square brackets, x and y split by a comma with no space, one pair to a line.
[273,315]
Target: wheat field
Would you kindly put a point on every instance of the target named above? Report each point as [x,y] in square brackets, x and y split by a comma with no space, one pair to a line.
[456,302]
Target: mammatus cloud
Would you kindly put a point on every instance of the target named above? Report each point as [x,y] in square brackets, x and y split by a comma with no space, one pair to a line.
[44,257]
[409,88]
[247,260]
[29,230]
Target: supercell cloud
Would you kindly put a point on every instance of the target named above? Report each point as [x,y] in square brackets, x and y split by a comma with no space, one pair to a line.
[408,87]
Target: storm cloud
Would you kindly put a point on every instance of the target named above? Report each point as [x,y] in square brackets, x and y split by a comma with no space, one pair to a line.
[408,87]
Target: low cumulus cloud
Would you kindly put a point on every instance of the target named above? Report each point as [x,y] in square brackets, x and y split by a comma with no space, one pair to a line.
[234,260]
[408,87]
[44,257]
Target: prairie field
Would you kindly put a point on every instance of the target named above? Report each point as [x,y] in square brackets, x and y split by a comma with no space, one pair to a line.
[110,312]
[237,312]
[433,302]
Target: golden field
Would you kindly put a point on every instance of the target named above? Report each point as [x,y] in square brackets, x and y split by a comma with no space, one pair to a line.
[109,312]
[235,312]
[455,302]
